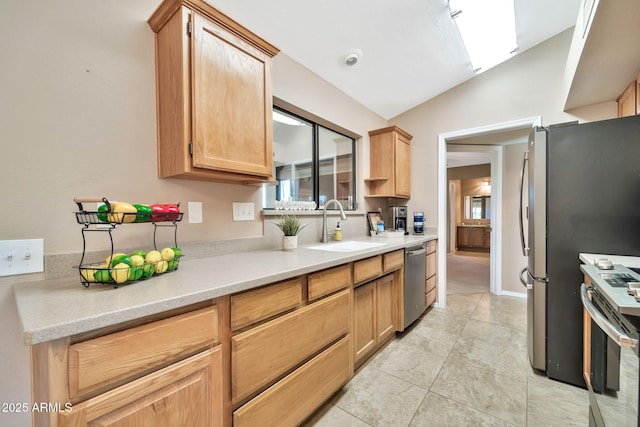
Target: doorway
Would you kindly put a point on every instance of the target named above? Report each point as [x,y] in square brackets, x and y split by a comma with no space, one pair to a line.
[489,139]
[469,219]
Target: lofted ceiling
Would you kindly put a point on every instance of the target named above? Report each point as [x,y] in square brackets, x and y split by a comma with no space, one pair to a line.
[411,50]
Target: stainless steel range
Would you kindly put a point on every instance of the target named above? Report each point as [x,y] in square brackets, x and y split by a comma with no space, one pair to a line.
[611,363]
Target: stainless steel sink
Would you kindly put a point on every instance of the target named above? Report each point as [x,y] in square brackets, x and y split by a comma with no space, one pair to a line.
[346,246]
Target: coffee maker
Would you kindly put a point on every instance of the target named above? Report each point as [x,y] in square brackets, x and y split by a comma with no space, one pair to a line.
[398,217]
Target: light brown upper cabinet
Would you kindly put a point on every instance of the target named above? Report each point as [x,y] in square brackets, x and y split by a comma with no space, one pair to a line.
[627,101]
[390,163]
[214,102]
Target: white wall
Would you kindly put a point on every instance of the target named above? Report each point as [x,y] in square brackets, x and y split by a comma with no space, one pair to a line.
[528,85]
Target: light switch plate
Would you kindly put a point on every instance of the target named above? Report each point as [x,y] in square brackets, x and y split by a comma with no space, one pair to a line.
[21,256]
[243,212]
[195,212]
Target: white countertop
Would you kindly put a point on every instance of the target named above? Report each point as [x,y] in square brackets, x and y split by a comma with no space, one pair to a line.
[51,309]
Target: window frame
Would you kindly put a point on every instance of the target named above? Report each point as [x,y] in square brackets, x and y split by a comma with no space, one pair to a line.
[317,123]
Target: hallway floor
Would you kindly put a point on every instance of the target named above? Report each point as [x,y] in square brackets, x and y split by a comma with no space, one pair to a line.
[465,365]
[468,272]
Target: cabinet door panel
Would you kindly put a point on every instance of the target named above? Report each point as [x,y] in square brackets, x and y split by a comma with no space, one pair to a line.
[385,307]
[364,329]
[264,353]
[188,393]
[403,166]
[477,237]
[464,234]
[231,102]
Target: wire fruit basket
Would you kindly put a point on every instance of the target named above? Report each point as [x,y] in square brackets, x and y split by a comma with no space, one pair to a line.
[120,268]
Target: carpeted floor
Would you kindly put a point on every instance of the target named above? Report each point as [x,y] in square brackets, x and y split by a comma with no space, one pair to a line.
[467,272]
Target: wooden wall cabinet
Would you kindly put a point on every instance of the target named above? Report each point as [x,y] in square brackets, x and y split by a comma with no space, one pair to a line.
[431,288]
[390,163]
[166,372]
[214,101]
[629,100]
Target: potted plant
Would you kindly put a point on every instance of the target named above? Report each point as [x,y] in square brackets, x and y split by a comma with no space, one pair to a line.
[290,226]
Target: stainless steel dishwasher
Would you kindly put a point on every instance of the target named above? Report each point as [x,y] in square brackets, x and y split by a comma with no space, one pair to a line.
[415,273]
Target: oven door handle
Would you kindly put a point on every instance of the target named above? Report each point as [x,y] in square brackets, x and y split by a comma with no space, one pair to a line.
[622,339]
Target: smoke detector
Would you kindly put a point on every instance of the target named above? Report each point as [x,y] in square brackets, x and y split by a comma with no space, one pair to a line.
[352,57]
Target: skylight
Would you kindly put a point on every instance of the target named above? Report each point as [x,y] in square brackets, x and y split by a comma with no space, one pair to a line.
[488,30]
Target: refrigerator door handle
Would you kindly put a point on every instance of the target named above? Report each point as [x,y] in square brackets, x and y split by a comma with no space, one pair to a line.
[525,249]
[523,281]
[620,338]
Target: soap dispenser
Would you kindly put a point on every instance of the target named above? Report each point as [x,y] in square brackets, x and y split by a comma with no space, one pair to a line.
[337,233]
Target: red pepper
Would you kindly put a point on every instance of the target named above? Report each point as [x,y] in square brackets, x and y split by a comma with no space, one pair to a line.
[164,212]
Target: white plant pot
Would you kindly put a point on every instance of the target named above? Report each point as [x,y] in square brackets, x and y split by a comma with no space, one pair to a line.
[289,243]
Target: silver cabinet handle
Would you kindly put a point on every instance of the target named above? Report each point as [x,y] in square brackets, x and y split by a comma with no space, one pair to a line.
[418,252]
[523,281]
[622,339]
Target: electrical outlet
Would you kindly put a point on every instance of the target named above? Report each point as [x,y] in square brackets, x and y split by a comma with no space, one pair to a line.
[243,212]
[195,212]
[21,256]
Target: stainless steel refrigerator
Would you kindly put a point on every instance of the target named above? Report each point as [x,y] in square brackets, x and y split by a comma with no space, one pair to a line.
[580,192]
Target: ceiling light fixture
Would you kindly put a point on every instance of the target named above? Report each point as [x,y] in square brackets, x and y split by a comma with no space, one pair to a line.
[351,57]
[279,117]
[487,29]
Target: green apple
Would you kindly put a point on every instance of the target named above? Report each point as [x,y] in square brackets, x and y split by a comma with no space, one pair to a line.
[177,252]
[138,252]
[102,276]
[135,273]
[148,270]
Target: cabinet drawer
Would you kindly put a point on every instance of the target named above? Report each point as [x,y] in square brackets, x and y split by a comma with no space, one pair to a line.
[259,304]
[328,281]
[432,245]
[367,269]
[431,264]
[393,260]
[430,297]
[264,353]
[295,397]
[431,283]
[187,393]
[104,360]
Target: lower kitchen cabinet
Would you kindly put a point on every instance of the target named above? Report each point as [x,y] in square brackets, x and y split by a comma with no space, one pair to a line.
[187,393]
[431,289]
[286,366]
[375,313]
[142,373]
[291,400]
[364,314]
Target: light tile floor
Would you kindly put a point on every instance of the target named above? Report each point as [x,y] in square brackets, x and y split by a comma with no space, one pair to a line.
[465,365]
